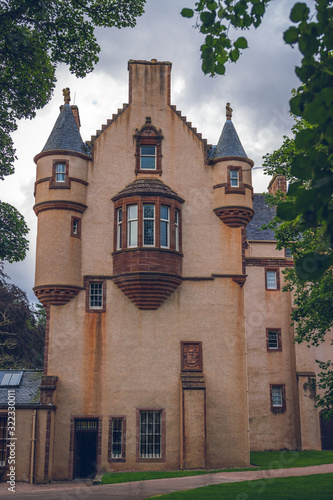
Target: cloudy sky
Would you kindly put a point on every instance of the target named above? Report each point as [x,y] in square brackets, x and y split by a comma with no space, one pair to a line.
[258,87]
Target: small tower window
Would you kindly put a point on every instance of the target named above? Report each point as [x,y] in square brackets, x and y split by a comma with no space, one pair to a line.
[60,173]
[132,221]
[165,226]
[234,178]
[148,225]
[76,227]
[148,157]
[272,279]
[96,295]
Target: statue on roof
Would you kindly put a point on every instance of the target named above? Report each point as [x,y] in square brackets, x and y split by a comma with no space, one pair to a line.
[228,111]
[67,95]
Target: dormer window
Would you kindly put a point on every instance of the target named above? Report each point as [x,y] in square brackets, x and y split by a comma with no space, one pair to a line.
[147,157]
[148,149]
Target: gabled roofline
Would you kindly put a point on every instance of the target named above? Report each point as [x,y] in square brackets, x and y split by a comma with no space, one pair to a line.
[115,116]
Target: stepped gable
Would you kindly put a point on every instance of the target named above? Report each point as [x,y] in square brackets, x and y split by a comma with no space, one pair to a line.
[147,186]
[65,134]
[106,125]
[264,213]
[193,129]
[229,143]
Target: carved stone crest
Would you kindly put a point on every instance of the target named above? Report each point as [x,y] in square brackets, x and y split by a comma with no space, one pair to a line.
[191,356]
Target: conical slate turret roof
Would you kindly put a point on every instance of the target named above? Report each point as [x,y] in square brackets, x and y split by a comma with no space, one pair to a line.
[65,134]
[229,143]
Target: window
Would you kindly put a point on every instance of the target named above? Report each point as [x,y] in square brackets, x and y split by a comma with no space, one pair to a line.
[272,279]
[95,295]
[11,379]
[278,399]
[3,440]
[273,339]
[76,227]
[150,443]
[288,253]
[177,230]
[119,227]
[148,225]
[132,220]
[60,177]
[165,226]
[147,158]
[234,178]
[117,443]
[60,172]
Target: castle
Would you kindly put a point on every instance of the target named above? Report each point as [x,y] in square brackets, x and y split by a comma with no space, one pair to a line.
[168,340]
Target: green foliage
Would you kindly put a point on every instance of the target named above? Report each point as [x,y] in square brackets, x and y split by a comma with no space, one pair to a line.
[22,328]
[325,400]
[35,37]
[13,244]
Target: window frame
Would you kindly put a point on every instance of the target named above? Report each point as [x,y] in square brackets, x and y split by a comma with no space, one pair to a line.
[174,230]
[90,282]
[145,204]
[3,441]
[148,136]
[278,408]
[142,169]
[240,189]
[122,457]
[78,221]
[279,341]
[288,253]
[167,222]
[129,221]
[54,183]
[161,458]
[119,235]
[277,279]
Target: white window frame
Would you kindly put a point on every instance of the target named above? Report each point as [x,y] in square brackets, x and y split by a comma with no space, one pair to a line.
[96,296]
[177,215]
[277,339]
[278,394]
[119,228]
[234,178]
[150,438]
[60,172]
[132,222]
[147,156]
[167,222]
[143,224]
[270,281]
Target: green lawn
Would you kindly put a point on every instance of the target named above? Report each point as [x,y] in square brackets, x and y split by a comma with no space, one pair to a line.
[264,460]
[316,487]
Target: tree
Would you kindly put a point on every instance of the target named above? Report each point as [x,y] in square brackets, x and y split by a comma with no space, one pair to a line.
[22,328]
[312,315]
[311,188]
[35,36]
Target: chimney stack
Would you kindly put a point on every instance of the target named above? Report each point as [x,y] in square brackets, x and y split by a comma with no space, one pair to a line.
[278,183]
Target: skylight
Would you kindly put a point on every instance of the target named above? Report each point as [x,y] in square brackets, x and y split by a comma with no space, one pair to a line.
[10,379]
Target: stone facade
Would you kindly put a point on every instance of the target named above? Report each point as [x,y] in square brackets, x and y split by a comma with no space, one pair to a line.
[160,308]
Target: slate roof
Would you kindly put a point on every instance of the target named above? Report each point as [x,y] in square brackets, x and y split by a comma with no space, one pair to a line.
[65,134]
[147,186]
[263,214]
[27,392]
[229,143]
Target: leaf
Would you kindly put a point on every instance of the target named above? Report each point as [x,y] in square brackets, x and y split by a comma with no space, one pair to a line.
[241,43]
[187,13]
[312,265]
[220,69]
[207,18]
[299,12]
[305,138]
[286,211]
[301,168]
[234,55]
[291,35]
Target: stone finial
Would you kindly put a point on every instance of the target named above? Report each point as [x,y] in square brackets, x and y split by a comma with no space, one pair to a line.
[228,111]
[67,95]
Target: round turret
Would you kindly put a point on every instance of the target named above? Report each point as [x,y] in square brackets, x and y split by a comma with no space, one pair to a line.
[233,190]
[60,201]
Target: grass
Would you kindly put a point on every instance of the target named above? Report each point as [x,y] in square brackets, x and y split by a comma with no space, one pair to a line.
[263,459]
[318,487]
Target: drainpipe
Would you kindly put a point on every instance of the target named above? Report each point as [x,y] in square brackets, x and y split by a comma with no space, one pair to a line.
[33,445]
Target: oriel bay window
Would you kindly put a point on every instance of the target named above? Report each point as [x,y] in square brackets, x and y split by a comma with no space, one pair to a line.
[147,225]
